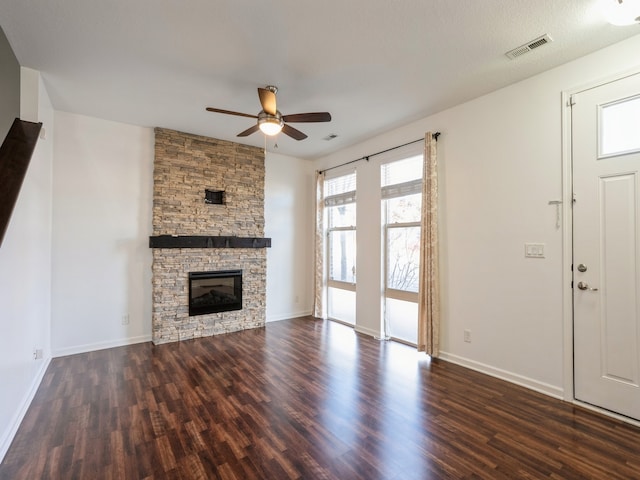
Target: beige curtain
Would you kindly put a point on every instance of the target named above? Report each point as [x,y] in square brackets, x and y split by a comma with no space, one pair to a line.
[319,290]
[429,289]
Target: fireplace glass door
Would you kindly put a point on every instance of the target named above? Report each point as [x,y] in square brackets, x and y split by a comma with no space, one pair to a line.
[213,292]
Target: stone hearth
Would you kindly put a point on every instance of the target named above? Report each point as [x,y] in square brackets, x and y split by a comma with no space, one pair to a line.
[185,166]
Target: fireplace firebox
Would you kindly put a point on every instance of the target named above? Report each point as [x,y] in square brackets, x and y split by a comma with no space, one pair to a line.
[213,292]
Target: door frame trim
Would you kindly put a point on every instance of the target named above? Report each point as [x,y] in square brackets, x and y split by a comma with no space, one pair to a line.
[567,247]
[567,236]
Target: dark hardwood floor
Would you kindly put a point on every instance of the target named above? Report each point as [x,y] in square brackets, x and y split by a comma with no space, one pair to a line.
[302,399]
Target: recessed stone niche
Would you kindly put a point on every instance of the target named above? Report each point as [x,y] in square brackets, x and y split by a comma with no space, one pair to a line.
[185,166]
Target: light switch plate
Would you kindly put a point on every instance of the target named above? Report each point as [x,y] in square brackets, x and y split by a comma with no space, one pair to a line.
[534,250]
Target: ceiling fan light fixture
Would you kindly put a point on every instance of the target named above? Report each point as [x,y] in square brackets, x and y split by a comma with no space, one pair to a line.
[621,12]
[270,125]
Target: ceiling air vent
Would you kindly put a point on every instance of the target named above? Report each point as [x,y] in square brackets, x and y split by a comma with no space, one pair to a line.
[527,47]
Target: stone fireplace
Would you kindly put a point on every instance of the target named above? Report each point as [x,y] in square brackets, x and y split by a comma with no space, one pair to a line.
[193,235]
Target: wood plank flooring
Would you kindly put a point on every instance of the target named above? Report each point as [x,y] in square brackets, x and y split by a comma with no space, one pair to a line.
[306,399]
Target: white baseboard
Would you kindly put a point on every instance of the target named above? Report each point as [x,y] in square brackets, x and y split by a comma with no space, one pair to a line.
[288,316]
[367,331]
[523,381]
[91,347]
[8,436]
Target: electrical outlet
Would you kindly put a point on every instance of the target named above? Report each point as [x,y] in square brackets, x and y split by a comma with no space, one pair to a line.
[125,319]
[37,353]
[297,299]
[467,336]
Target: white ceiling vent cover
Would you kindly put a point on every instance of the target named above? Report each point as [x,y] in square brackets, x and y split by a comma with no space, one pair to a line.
[527,47]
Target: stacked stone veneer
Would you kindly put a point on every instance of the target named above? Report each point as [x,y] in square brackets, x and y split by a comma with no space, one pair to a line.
[185,165]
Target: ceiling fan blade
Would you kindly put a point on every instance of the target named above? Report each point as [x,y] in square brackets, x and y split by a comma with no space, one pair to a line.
[293,132]
[249,131]
[267,100]
[229,112]
[308,117]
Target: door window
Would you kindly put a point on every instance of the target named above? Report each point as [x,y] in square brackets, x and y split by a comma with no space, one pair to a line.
[619,127]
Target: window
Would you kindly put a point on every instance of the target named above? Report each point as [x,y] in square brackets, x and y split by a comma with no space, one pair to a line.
[340,208]
[401,206]
[619,127]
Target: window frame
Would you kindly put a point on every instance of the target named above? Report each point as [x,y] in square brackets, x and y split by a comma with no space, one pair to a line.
[602,129]
[389,292]
[339,283]
[397,190]
[331,283]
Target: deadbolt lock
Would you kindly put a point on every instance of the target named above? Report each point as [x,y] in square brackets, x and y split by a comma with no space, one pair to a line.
[582,267]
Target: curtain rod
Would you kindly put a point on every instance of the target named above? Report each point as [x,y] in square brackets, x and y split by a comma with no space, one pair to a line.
[366,157]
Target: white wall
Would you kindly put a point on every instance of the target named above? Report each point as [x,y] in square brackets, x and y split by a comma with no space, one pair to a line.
[288,201]
[500,159]
[102,206]
[25,273]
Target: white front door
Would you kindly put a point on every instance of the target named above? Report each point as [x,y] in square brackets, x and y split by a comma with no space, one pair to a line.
[605,136]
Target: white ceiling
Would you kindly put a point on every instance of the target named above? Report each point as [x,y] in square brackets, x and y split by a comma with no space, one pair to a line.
[374,64]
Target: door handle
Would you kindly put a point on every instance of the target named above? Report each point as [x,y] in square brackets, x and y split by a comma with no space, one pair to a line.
[585,286]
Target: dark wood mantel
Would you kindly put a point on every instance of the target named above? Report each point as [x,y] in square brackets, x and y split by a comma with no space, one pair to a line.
[207,241]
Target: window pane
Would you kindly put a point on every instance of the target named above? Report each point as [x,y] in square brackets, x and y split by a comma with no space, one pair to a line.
[404,209]
[342,256]
[341,305]
[402,320]
[620,127]
[337,185]
[403,258]
[402,170]
[342,216]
